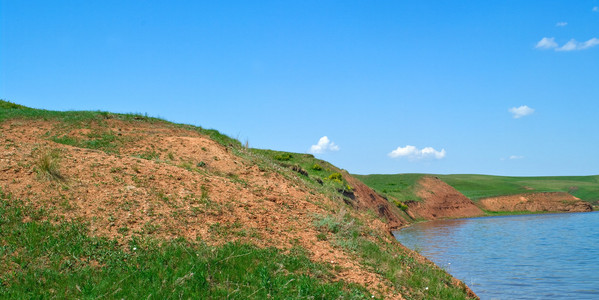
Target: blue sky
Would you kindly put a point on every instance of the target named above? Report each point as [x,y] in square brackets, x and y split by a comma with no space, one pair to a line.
[488,87]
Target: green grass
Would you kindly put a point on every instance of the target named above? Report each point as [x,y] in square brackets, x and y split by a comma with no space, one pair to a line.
[398,187]
[105,141]
[41,260]
[304,166]
[424,281]
[475,187]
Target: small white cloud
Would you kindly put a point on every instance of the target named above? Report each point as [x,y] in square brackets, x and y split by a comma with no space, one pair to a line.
[522,111]
[561,24]
[569,46]
[403,151]
[596,9]
[546,43]
[323,145]
[414,153]
[572,45]
[590,43]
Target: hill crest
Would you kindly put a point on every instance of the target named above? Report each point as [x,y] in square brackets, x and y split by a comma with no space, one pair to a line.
[130,177]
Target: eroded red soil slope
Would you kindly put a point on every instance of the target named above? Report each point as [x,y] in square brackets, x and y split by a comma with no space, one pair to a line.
[440,200]
[536,202]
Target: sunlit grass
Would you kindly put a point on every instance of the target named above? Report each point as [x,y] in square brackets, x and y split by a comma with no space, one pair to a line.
[40,259]
[475,187]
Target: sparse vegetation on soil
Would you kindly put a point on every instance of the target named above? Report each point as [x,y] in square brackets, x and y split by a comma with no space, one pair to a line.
[41,260]
[47,164]
[153,209]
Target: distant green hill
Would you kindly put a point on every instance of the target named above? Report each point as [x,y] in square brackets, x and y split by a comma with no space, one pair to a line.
[475,187]
[397,186]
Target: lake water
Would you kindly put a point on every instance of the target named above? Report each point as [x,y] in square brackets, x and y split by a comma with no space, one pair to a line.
[549,256]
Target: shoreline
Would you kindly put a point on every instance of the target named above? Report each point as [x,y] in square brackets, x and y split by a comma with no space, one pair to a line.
[468,289]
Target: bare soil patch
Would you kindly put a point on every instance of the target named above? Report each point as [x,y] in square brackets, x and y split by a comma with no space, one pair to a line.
[366,198]
[440,200]
[168,182]
[536,202]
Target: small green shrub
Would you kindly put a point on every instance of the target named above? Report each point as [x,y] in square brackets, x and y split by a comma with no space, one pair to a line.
[283,157]
[400,205]
[316,167]
[336,177]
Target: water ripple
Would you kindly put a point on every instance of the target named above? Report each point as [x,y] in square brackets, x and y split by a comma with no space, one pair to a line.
[515,257]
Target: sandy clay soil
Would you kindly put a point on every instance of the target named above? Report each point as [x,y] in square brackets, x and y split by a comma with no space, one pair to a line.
[536,202]
[440,200]
[191,187]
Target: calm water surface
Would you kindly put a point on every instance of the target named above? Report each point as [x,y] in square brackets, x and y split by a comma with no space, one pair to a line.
[552,256]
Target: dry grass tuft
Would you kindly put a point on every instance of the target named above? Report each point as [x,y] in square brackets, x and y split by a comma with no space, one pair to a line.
[47,164]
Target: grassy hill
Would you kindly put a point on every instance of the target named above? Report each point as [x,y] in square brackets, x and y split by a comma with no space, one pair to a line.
[480,186]
[475,187]
[103,205]
[397,186]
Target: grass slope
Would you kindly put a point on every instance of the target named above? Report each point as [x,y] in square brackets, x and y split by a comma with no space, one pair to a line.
[43,256]
[311,169]
[475,187]
[106,141]
[481,186]
[41,260]
[398,187]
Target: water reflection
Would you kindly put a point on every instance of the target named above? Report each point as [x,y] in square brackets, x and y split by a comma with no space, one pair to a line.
[524,257]
[433,234]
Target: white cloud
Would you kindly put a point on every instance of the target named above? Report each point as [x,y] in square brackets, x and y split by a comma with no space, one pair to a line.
[414,153]
[596,9]
[546,43]
[522,111]
[590,43]
[324,144]
[572,45]
[561,24]
[569,46]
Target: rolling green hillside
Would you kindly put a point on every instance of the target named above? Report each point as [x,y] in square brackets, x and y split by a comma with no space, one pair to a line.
[481,186]
[397,186]
[475,187]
